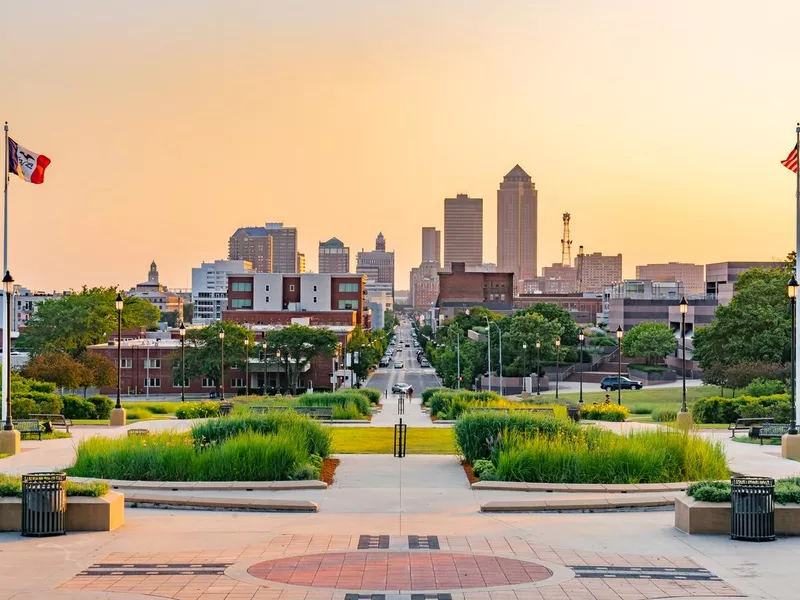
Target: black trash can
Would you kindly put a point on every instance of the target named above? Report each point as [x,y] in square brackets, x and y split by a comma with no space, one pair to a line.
[753,509]
[44,504]
[225,409]
[574,412]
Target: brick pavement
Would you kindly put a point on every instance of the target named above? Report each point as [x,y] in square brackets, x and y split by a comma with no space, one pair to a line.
[327,567]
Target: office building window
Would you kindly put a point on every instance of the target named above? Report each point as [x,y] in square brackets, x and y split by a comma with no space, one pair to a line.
[237,382]
[348,287]
[266,299]
[291,287]
[152,382]
[241,303]
[153,363]
[241,286]
[208,383]
[348,304]
[266,288]
[126,363]
[315,299]
[315,288]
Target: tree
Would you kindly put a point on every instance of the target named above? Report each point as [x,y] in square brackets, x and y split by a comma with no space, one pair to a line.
[98,371]
[171,318]
[389,321]
[369,350]
[754,327]
[526,328]
[651,341]
[204,351]
[71,323]
[56,367]
[553,312]
[299,346]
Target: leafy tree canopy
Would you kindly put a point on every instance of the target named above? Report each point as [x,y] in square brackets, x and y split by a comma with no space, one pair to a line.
[71,323]
[652,341]
[299,346]
[204,350]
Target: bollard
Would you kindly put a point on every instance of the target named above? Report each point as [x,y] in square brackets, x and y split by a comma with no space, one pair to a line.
[400,436]
[401,404]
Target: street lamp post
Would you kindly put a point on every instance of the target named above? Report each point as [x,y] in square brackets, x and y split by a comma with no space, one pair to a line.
[119,304]
[582,340]
[222,365]
[524,364]
[538,368]
[182,331]
[264,356]
[619,365]
[458,358]
[558,351]
[683,418]
[489,351]
[278,356]
[791,289]
[8,287]
[246,366]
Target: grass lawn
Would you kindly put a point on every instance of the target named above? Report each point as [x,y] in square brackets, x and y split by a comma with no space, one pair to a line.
[56,435]
[654,397]
[380,440]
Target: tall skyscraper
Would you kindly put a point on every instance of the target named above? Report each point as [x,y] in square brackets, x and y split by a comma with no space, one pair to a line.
[463,231]
[271,249]
[377,265]
[431,245]
[516,225]
[334,257]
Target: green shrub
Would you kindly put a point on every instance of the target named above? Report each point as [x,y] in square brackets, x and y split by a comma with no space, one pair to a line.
[340,399]
[198,410]
[22,407]
[641,409]
[726,410]
[765,387]
[317,439]
[155,408]
[102,406]
[665,415]
[604,412]
[373,395]
[347,412]
[429,392]
[137,414]
[787,491]
[474,430]
[449,404]
[597,456]
[50,404]
[41,386]
[76,407]
[11,485]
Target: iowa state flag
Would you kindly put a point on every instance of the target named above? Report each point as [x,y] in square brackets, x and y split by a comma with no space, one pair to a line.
[28,165]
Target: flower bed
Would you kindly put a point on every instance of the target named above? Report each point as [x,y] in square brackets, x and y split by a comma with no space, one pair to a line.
[604,412]
[271,447]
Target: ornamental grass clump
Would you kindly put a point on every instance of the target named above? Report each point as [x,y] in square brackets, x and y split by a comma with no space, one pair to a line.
[597,456]
[604,412]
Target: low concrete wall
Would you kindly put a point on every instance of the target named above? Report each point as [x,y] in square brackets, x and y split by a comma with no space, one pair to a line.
[83,514]
[693,516]
[648,377]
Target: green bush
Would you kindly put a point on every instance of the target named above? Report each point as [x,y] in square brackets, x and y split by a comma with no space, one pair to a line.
[22,407]
[449,404]
[665,415]
[716,409]
[11,485]
[340,399]
[347,412]
[137,414]
[198,410]
[598,456]
[102,406]
[476,432]
[765,387]
[604,412]
[76,407]
[428,393]
[787,491]
[373,395]
[641,409]
[317,439]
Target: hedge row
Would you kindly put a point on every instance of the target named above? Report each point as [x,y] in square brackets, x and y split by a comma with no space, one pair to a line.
[726,410]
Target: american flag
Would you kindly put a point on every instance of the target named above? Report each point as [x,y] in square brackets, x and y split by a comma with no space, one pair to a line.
[791,160]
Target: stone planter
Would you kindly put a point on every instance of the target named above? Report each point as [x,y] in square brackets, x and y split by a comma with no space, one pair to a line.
[650,378]
[83,514]
[693,516]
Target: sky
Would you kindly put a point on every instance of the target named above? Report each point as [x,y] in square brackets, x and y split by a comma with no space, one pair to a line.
[658,125]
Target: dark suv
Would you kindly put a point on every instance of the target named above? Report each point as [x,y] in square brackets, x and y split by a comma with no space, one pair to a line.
[613,383]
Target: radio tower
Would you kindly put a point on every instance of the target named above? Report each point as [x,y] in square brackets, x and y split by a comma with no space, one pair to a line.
[566,243]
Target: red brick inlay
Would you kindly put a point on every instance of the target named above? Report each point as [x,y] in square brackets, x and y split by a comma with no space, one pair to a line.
[407,571]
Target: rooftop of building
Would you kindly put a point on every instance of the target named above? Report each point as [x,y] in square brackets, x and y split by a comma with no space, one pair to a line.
[334,242]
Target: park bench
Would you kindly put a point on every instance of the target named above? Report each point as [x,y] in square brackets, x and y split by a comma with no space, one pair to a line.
[29,427]
[132,432]
[54,420]
[548,410]
[771,431]
[260,410]
[315,412]
[746,424]
[485,408]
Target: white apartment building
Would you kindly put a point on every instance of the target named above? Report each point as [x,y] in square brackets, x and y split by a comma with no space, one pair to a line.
[210,288]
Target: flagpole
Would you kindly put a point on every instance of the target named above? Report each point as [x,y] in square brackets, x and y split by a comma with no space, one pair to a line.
[6,324]
[796,383]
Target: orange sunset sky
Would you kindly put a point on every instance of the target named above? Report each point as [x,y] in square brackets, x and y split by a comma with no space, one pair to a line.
[658,125]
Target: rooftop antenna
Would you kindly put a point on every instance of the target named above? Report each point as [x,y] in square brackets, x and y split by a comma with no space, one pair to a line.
[566,243]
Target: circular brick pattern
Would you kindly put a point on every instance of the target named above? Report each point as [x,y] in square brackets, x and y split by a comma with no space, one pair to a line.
[407,571]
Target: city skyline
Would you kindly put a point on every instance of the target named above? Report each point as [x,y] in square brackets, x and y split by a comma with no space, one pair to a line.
[150,160]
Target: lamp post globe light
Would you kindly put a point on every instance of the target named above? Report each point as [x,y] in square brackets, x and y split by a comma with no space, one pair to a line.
[9,437]
[264,357]
[525,362]
[538,368]
[582,340]
[684,419]
[558,351]
[117,416]
[246,366]
[619,365]
[222,365]
[182,332]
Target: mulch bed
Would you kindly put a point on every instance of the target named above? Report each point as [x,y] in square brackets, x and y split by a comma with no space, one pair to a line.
[329,470]
[468,471]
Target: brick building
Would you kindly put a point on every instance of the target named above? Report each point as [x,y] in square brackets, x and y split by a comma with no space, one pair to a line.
[584,309]
[460,289]
[691,275]
[334,257]
[596,272]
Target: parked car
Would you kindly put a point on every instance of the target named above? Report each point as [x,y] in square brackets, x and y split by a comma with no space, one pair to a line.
[400,388]
[425,364]
[384,362]
[613,383]
[398,364]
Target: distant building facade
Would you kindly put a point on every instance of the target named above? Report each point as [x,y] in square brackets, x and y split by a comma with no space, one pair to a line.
[210,288]
[583,308]
[463,231]
[301,263]
[377,265]
[432,245]
[424,285]
[460,289]
[158,295]
[595,271]
[516,225]
[689,274]
[271,249]
[334,257]
[720,277]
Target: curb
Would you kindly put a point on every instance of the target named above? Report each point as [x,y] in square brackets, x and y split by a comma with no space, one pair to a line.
[218,486]
[150,500]
[620,488]
[590,504]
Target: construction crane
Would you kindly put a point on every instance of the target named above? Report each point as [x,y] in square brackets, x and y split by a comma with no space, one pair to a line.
[566,243]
